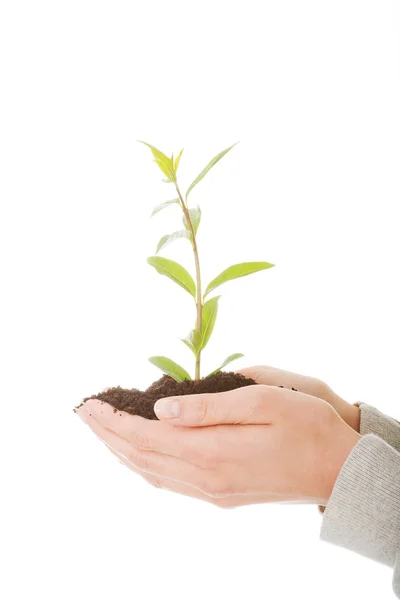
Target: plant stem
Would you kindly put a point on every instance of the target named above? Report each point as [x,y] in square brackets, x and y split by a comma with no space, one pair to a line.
[199,298]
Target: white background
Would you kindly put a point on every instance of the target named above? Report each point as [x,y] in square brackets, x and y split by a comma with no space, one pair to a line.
[311,89]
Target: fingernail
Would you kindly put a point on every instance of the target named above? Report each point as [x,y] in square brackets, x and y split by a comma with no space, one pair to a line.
[167,408]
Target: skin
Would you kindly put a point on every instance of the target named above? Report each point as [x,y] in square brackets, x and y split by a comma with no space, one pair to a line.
[256,444]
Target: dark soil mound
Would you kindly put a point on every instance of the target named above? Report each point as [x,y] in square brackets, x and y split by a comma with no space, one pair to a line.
[141,403]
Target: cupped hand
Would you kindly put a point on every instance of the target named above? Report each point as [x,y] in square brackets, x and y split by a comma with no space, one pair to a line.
[308,385]
[260,443]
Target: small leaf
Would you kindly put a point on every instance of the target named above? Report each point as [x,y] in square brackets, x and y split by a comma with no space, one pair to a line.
[209,315]
[167,239]
[170,367]
[193,341]
[208,167]
[174,271]
[178,160]
[165,168]
[162,161]
[195,217]
[160,207]
[228,360]
[157,153]
[235,271]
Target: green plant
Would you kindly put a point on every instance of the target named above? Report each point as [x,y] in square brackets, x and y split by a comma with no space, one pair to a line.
[206,311]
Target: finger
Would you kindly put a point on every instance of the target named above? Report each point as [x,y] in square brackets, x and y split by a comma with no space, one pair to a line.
[267,375]
[152,436]
[210,491]
[307,385]
[185,490]
[257,373]
[253,404]
[158,482]
[153,463]
[164,483]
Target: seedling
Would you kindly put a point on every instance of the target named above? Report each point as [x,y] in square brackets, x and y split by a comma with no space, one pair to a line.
[206,310]
[177,380]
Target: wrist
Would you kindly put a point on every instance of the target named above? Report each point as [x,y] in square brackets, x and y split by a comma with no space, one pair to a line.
[350,413]
[353,417]
[342,441]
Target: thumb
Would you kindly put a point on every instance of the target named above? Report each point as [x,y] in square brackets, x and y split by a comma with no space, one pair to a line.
[249,405]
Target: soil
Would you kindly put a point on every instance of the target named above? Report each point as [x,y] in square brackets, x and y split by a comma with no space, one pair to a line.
[137,402]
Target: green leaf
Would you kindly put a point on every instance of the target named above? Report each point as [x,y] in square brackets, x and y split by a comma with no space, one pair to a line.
[235,271]
[195,217]
[170,367]
[193,341]
[210,310]
[162,160]
[208,167]
[228,360]
[165,168]
[160,207]
[157,153]
[174,271]
[167,239]
[178,160]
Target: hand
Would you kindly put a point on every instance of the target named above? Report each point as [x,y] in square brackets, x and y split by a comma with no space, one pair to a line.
[255,444]
[308,385]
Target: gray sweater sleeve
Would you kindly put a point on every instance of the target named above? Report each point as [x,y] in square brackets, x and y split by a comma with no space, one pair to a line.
[363,512]
[373,421]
